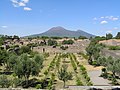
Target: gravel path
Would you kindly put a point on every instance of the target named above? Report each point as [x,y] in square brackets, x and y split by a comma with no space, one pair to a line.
[96,79]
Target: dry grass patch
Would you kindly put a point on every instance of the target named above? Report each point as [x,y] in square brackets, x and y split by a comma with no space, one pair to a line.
[91,68]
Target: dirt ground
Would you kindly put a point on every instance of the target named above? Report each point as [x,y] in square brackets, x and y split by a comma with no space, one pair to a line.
[78,46]
[112,42]
[113,53]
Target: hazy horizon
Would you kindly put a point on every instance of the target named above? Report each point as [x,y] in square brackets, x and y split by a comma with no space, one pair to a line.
[27,17]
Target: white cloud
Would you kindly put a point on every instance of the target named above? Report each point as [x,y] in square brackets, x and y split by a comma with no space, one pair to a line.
[21,4]
[104,19]
[110,17]
[4,26]
[25,1]
[27,9]
[14,1]
[103,22]
[15,5]
[115,18]
[101,17]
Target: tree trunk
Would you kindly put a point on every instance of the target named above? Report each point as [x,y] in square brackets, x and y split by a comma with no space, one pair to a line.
[90,60]
[26,80]
[113,74]
[64,85]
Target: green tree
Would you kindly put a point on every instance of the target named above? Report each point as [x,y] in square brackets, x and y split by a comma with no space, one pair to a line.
[109,36]
[16,37]
[64,47]
[44,37]
[1,41]
[93,50]
[114,67]
[82,37]
[25,49]
[39,59]
[56,37]
[52,42]
[67,41]
[111,66]
[118,67]
[100,38]
[64,75]
[3,57]
[25,67]
[11,61]
[118,35]
[101,61]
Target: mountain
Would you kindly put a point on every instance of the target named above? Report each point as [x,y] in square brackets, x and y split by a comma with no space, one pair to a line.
[62,32]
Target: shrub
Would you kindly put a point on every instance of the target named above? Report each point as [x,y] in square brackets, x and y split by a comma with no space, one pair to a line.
[25,49]
[104,75]
[53,76]
[73,63]
[46,72]
[46,55]
[85,75]
[89,84]
[78,82]
[88,78]
[114,47]
[17,82]
[68,42]
[74,57]
[32,45]
[52,42]
[4,81]
[94,63]
[82,37]
[109,76]
[82,68]
[64,47]
[84,55]
[70,75]
[114,81]
[38,86]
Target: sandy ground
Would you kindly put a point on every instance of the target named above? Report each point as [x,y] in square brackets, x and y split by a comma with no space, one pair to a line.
[92,68]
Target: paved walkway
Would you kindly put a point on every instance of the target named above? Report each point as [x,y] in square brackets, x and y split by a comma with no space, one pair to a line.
[96,79]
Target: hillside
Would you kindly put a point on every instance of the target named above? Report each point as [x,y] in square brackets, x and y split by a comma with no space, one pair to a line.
[62,32]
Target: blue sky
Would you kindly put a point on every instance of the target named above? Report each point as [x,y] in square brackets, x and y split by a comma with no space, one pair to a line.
[26,17]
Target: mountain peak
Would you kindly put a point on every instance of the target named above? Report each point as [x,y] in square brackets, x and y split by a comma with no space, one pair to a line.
[79,30]
[58,28]
[62,32]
